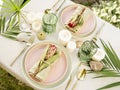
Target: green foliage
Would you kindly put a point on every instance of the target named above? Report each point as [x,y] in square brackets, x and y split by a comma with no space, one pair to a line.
[10,17]
[8,82]
[10,28]
[13,7]
[112,62]
[86,2]
[108,10]
[110,86]
[106,73]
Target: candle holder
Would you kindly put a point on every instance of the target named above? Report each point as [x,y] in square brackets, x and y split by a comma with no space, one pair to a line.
[49,22]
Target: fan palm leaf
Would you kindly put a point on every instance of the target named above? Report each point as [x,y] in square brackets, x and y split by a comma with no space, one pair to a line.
[111,59]
[10,28]
[112,63]
[13,7]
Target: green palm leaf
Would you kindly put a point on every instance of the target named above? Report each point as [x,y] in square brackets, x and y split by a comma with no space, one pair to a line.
[111,59]
[110,86]
[24,3]
[10,28]
[13,7]
[106,73]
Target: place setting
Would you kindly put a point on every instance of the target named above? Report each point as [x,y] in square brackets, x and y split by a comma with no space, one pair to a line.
[46,63]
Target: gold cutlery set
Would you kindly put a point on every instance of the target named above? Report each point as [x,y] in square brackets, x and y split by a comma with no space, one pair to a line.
[76,73]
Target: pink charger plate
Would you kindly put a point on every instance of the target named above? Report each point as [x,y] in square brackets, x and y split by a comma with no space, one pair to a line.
[89,24]
[58,73]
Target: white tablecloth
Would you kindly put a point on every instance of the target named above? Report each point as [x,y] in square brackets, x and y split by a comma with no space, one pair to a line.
[9,50]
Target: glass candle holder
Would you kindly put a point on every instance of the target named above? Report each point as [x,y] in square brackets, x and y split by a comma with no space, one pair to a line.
[49,22]
[87,50]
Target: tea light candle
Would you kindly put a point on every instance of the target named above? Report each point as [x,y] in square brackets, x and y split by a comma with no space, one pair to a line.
[71,46]
[36,25]
[64,36]
[31,17]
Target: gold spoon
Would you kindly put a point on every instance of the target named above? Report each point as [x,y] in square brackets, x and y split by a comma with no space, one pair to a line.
[81,75]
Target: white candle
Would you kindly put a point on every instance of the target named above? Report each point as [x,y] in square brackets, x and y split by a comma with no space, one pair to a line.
[36,25]
[71,46]
[64,36]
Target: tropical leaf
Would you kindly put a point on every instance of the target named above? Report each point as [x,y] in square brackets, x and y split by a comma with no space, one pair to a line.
[110,86]
[105,73]
[10,28]
[13,7]
[111,59]
[24,3]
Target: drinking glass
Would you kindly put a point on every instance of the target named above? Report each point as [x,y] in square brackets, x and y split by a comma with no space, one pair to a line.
[49,22]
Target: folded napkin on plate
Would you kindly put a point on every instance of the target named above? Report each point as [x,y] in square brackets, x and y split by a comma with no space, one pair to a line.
[76,20]
[41,69]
